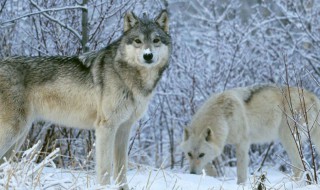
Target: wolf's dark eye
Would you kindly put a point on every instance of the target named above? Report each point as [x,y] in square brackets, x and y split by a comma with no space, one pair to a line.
[189,154]
[156,40]
[201,155]
[137,41]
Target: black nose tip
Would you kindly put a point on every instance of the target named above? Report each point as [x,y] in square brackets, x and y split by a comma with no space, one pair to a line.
[193,172]
[148,57]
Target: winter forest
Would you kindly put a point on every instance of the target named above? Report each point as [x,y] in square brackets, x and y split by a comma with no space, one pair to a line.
[217,45]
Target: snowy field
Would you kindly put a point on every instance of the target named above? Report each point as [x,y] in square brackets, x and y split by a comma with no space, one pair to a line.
[28,175]
[147,178]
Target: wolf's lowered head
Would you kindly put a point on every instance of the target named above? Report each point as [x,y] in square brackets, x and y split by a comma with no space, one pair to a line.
[146,43]
[200,149]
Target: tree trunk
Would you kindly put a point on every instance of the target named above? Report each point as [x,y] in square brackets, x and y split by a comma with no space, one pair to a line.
[85,27]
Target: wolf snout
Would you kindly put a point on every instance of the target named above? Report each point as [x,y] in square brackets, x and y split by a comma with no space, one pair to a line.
[148,57]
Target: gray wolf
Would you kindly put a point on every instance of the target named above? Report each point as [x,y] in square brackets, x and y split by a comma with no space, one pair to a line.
[242,116]
[107,90]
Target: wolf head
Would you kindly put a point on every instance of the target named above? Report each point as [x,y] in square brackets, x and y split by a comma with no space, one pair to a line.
[146,42]
[199,149]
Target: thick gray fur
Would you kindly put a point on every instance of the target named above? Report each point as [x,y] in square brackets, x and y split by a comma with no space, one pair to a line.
[107,90]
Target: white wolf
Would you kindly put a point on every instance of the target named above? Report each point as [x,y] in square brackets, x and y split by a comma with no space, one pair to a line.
[242,116]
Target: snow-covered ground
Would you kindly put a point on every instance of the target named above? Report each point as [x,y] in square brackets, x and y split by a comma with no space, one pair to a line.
[26,174]
[36,176]
[153,179]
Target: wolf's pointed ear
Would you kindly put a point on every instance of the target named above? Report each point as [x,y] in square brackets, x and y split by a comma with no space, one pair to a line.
[130,20]
[185,134]
[208,134]
[163,21]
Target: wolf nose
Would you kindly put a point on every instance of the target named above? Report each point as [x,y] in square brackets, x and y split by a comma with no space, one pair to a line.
[193,172]
[148,57]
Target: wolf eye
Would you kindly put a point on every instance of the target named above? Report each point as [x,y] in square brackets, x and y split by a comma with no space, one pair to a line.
[189,154]
[137,41]
[201,155]
[156,40]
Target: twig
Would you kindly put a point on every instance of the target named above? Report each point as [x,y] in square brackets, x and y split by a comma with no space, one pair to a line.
[2,6]
[66,26]
[295,131]
[265,156]
[42,12]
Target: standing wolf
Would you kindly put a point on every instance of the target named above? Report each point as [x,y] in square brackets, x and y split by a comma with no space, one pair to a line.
[242,116]
[107,90]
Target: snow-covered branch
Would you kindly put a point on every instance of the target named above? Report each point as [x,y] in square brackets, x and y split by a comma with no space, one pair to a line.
[2,5]
[42,11]
[66,26]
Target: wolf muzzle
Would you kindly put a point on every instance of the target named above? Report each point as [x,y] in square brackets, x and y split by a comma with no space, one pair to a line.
[148,57]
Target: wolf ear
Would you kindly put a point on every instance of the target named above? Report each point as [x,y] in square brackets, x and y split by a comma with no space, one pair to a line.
[130,20]
[208,134]
[163,21]
[186,134]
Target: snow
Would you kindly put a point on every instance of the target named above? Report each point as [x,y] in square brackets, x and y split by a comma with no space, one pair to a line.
[26,174]
[157,179]
[147,51]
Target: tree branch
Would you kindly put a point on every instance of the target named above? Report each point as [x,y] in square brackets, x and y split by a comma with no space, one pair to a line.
[84,26]
[66,26]
[2,6]
[41,11]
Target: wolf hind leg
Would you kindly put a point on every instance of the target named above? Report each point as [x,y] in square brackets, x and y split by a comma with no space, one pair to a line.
[15,147]
[315,133]
[290,146]
[12,135]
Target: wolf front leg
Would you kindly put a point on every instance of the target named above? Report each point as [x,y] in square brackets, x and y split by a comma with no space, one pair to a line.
[242,153]
[105,136]
[211,170]
[121,153]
